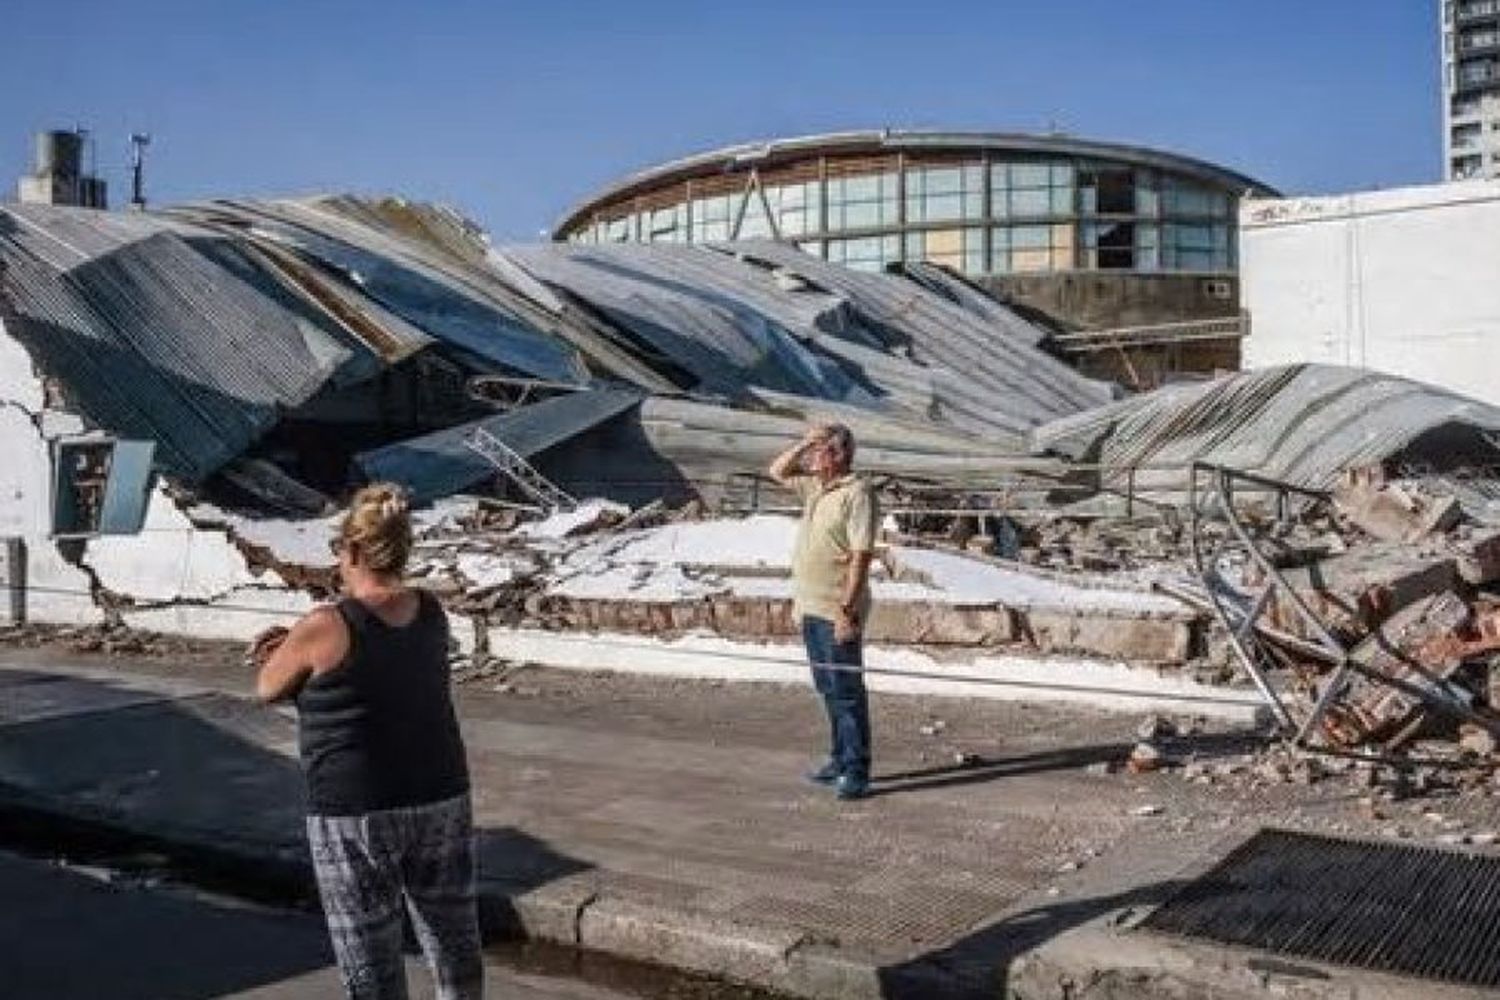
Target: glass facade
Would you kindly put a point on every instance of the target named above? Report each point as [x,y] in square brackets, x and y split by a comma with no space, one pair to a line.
[978,215]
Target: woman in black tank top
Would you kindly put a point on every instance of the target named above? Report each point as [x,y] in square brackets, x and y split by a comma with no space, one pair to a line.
[389,817]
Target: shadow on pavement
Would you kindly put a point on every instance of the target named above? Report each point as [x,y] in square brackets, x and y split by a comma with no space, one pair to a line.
[978,966]
[1204,747]
[65,935]
[204,785]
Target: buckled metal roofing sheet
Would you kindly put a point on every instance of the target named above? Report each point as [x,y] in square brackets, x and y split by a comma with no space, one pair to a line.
[1299,424]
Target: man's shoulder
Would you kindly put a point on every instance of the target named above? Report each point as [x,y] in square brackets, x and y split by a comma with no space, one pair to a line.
[860,484]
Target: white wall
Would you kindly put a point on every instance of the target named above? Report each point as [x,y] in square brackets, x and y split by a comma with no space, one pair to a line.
[185,579]
[1405,281]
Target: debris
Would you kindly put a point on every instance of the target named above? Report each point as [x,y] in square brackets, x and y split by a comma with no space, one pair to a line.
[1477,740]
[1399,649]
[1154,727]
[1143,758]
[1392,512]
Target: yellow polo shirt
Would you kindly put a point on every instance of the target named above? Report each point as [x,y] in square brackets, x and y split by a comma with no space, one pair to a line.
[837,520]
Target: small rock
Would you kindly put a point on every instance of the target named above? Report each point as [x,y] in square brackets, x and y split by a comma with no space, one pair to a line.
[1098,768]
[1485,838]
[1307,771]
[965,759]
[1476,740]
[1154,727]
[1145,757]
[1053,890]
[1150,809]
[1067,866]
[1452,839]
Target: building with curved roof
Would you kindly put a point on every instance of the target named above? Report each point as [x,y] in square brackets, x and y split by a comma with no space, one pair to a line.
[1094,234]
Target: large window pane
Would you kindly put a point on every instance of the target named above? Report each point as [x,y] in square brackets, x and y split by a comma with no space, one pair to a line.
[1185,198]
[974,251]
[1031,190]
[1196,247]
[870,253]
[944,194]
[667,225]
[1031,248]
[794,208]
[617,230]
[862,202]
[960,249]
[1147,248]
[1030,201]
[711,218]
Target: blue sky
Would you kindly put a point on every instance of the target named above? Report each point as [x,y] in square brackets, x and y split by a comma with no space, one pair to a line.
[513,111]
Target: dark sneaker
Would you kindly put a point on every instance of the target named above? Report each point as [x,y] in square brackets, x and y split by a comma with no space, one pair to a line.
[825,775]
[850,787]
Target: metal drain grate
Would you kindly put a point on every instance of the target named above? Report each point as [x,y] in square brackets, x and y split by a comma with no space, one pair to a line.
[1387,907]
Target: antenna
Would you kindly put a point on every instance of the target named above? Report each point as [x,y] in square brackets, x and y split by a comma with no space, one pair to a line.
[138,143]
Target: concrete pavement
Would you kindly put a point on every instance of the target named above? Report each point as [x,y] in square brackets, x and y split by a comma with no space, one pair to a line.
[666,820]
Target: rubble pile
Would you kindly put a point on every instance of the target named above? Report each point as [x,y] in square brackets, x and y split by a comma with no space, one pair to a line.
[1377,606]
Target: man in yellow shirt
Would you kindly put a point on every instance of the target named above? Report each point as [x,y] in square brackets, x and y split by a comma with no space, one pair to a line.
[831,577]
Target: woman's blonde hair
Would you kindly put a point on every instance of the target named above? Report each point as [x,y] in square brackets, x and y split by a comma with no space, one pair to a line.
[379,524]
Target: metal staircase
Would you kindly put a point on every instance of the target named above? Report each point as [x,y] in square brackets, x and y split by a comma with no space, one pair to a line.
[515,468]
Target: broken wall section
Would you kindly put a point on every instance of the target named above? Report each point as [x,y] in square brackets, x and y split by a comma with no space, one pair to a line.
[176,575]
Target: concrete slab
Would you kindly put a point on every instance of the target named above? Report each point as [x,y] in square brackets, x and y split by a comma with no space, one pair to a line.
[978,673]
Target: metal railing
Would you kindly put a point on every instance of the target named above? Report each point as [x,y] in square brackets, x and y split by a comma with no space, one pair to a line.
[1085,341]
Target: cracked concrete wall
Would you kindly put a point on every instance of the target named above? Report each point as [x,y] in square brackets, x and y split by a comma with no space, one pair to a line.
[180,578]
[57,592]
[189,580]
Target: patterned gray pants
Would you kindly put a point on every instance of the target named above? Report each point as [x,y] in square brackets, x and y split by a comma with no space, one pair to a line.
[366,864]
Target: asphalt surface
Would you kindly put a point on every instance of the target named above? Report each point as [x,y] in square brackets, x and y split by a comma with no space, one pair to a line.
[84,932]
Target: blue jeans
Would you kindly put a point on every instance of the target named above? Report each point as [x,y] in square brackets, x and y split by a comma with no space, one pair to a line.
[844,696]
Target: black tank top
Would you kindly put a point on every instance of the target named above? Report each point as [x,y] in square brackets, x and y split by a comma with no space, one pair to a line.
[378,731]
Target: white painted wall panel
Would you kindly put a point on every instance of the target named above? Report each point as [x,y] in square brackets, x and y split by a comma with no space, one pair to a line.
[1404,281]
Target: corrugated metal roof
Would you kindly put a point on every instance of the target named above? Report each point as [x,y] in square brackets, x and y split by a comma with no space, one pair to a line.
[440,464]
[151,339]
[200,327]
[1299,424]
[999,358]
[390,269]
[733,320]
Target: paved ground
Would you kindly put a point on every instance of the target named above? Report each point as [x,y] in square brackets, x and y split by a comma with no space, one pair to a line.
[83,933]
[666,819]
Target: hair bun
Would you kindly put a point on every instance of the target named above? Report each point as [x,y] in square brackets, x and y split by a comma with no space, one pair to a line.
[393,506]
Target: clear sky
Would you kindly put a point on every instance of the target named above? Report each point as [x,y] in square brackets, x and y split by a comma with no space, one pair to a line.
[514,110]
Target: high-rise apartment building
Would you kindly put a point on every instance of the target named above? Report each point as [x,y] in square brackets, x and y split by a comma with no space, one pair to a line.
[1471,88]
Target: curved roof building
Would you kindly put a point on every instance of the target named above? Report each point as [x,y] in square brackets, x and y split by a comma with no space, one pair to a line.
[986,204]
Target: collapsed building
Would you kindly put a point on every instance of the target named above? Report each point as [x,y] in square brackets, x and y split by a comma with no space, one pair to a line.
[185,396]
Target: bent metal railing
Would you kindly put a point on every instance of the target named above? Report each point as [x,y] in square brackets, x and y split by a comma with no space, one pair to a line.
[1247,629]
